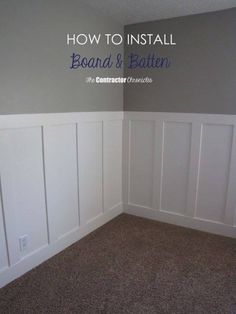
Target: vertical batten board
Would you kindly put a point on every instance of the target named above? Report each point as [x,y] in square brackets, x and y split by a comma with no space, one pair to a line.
[3,246]
[176,157]
[142,140]
[21,167]
[158,164]
[90,170]
[112,163]
[61,179]
[125,161]
[214,171]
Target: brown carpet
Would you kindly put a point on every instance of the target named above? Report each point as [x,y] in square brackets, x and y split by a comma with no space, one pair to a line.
[132,265]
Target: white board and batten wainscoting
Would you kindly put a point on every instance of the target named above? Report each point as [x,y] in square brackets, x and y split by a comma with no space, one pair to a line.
[180,168]
[61,177]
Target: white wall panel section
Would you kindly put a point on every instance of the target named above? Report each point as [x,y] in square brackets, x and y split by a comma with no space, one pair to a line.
[230,212]
[60,179]
[112,163]
[214,171]
[60,152]
[21,165]
[141,162]
[176,158]
[3,246]
[90,170]
[183,172]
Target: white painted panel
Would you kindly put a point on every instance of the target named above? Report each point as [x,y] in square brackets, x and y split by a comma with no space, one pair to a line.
[61,179]
[90,170]
[141,162]
[203,199]
[3,247]
[21,167]
[193,168]
[214,171]
[230,210]
[176,157]
[112,163]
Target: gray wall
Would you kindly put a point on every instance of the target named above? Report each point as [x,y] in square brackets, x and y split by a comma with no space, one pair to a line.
[202,77]
[34,58]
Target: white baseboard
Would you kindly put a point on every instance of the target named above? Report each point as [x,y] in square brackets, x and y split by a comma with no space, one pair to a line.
[181,220]
[44,253]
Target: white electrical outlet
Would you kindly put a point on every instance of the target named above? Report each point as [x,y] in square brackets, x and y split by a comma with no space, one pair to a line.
[23,241]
